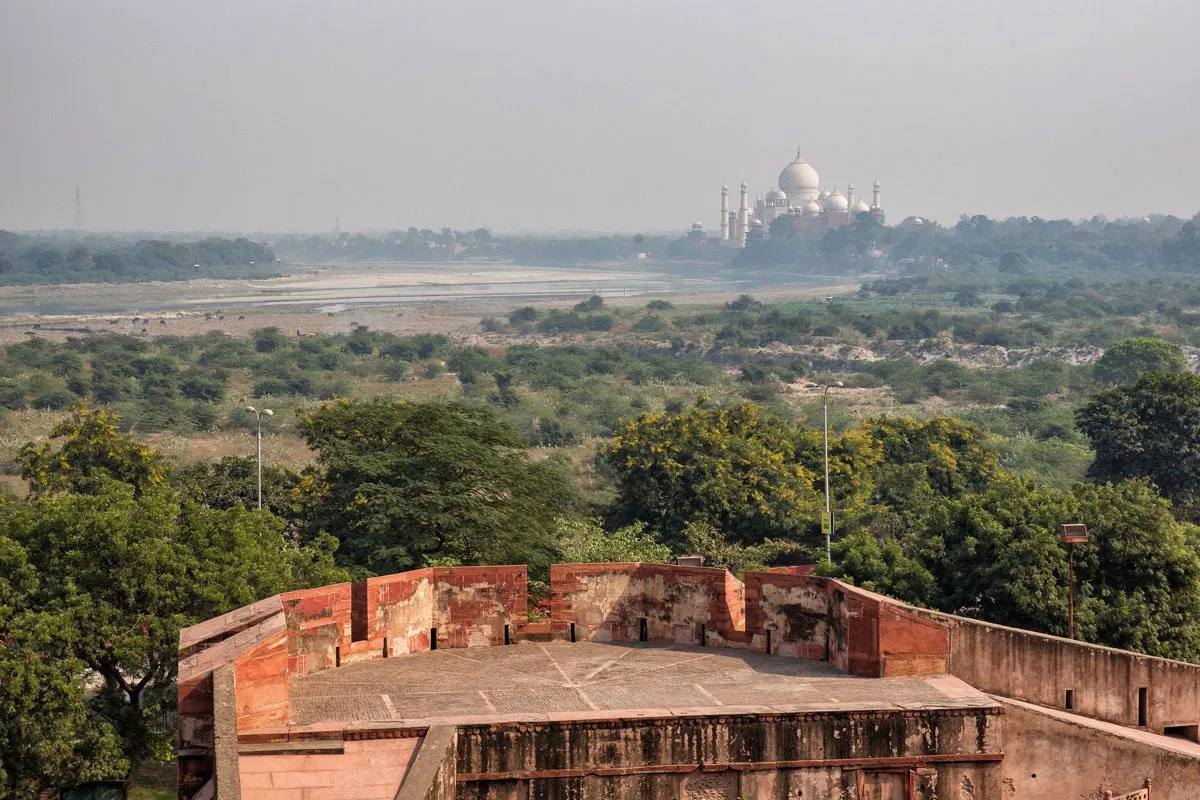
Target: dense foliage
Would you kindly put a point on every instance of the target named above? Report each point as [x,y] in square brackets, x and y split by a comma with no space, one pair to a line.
[1016,245]
[1148,428]
[406,483]
[102,566]
[97,259]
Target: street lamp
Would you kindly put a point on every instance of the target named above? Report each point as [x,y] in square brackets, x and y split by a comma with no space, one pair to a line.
[1072,534]
[827,520]
[259,415]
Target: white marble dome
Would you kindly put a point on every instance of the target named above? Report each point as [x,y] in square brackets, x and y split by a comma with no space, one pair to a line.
[860,206]
[836,202]
[811,209]
[799,181]
[777,196]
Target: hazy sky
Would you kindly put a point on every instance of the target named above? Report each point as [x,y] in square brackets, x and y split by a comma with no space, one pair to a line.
[573,114]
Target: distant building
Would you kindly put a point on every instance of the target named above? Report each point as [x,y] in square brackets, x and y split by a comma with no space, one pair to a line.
[800,199]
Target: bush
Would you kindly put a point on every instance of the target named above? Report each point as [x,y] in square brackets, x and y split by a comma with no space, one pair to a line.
[649,324]
[659,305]
[593,303]
[523,314]
[743,302]
[271,387]
[55,400]
[268,340]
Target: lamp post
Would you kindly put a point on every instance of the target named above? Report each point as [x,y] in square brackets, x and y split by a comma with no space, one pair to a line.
[1072,534]
[259,415]
[827,521]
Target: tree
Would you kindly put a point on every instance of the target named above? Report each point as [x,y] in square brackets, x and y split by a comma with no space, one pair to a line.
[403,483]
[84,452]
[1013,263]
[128,570]
[705,540]
[124,565]
[1139,573]
[1149,428]
[1128,360]
[734,468]
[233,481]
[584,541]
[49,735]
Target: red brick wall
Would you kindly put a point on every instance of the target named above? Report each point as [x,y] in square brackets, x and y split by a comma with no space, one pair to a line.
[261,682]
[319,627]
[473,604]
[398,609]
[608,602]
[794,608]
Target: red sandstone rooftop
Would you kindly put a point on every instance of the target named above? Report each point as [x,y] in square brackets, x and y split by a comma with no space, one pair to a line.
[588,680]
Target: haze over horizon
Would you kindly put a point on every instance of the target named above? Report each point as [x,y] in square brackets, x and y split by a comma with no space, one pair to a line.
[275,115]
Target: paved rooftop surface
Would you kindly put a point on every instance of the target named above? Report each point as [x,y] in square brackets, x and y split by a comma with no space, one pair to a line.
[563,680]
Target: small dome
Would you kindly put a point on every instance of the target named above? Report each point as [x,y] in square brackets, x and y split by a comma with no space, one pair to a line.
[757,223]
[821,197]
[696,226]
[811,209]
[836,202]
[860,206]
[776,194]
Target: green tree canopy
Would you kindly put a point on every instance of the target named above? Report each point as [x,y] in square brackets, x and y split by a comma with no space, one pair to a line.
[733,468]
[122,565]
[49,735]
[404,483]
[584,541]
[1128,360]
[1150,428]
[84,452]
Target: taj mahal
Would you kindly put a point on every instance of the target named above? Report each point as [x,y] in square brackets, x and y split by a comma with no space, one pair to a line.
[800,198]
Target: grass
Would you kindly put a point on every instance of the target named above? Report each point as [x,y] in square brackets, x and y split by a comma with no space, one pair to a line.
[153,781]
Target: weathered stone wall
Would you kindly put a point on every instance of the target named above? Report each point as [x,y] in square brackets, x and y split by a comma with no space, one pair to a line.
[859,632]
[794,609]
[1057,756]
[432,774]
[261,684]
[474,604]
[611,602]
[820,754]
[319,627]
[394,613]
[1104,682]
[213,646]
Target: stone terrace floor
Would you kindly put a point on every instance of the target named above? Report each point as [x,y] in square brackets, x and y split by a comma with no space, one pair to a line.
[587,680]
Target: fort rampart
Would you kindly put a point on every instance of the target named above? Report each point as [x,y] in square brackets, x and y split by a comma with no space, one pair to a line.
[261,648]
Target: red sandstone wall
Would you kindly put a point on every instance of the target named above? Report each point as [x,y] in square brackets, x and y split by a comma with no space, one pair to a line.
[473,604]
[318,622]
[261,684]
[794,608]
[873,636]
[395,612]
[1039,668]
[607,602]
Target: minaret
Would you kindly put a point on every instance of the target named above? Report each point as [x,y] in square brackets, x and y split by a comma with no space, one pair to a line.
[744,215]
[725,211]
[850,199]
[875,197]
